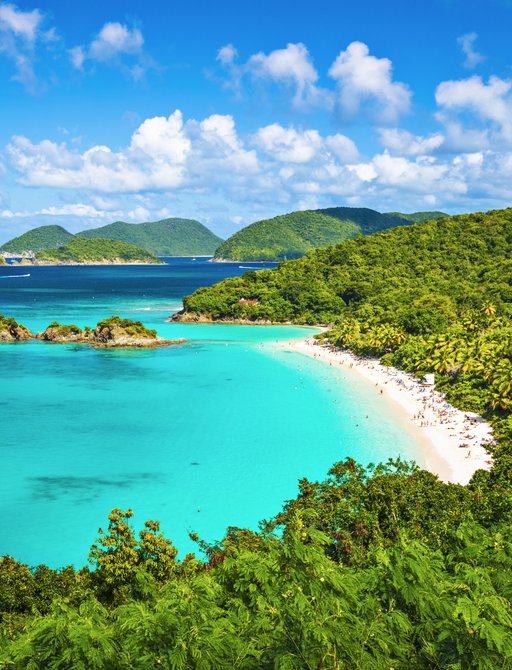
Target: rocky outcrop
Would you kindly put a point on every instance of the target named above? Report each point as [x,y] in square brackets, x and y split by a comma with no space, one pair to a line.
[110,333]
[12,331]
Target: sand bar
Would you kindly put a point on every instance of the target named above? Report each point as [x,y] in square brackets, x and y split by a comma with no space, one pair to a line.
[451,441]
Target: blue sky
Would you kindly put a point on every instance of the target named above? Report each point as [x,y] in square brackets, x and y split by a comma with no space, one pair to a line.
[230,112]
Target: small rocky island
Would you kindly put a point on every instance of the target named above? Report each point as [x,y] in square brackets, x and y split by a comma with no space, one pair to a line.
[110,333]
[12,331]
[113,332]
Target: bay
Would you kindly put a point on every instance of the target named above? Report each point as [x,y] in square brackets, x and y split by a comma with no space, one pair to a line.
[212,433]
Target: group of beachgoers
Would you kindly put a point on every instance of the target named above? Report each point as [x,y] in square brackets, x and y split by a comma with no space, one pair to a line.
[426,406]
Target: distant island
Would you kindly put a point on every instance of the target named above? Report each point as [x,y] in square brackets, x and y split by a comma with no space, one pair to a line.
[110,333]
[93,251]
[169,237]
[292,235]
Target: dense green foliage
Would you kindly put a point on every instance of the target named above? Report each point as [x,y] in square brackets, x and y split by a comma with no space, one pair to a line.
[383,568]
[286,236]
[418,217]
[170,237]
[430,297]
[371,569]
[96,250]
[292,235]
[10,329]
[128,326]
[38,239]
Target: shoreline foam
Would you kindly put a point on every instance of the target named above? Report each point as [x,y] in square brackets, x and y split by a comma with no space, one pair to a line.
[439,428]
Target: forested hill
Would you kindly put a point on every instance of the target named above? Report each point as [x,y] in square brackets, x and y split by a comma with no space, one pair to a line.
[417,217]
[169,237]
[286,236]
[91,251]
[430,297]
[38,239]
[292,235]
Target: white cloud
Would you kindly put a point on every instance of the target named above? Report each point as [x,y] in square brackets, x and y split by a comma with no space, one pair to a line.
[288,144]
[489,102]
[80,210]
[162,154]
[20,23]
[139,214]
[466,43]
[293,146]
[291,68]
[405,143]
[366,81]
[77,57]
[227,54]
[203,168]
[114,42]
[114,39]
[20,33]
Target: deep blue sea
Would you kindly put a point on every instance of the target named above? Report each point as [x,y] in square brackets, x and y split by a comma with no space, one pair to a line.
[212,433]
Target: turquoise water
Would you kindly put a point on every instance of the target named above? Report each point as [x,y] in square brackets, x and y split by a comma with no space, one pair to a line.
[212,433]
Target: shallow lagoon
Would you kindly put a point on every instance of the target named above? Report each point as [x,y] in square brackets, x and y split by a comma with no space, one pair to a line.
[212,433]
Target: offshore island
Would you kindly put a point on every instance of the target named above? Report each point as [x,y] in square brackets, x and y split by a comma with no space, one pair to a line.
[110,333]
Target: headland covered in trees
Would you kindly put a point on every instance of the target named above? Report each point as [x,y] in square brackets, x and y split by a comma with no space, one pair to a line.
[433,297]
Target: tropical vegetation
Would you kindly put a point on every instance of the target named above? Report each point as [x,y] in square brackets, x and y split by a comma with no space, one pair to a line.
[169,237]
[96,251]
[383,567]
[292,235]
[37,239]
[418,217]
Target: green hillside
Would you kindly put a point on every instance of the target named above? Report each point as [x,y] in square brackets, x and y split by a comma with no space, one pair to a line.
[38,239]
[96,251]
[286,236]
[169,237]
[292,235]
[417,217]
[389,292]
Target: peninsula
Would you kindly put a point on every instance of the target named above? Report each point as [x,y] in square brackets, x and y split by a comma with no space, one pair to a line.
[95,252]
[427,298]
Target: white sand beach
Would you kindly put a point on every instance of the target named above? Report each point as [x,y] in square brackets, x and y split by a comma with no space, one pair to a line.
[451,441]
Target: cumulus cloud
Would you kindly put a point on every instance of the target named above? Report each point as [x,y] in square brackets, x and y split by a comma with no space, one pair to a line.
[205,167]
[162,154]
[405,143]
[291,68]
[114,42]
[295,146]
[488,102]
[366,81]
[466,43]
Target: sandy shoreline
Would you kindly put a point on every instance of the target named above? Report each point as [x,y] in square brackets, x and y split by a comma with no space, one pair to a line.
[439,429]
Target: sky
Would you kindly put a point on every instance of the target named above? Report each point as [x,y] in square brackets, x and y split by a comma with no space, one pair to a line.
[232,111]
